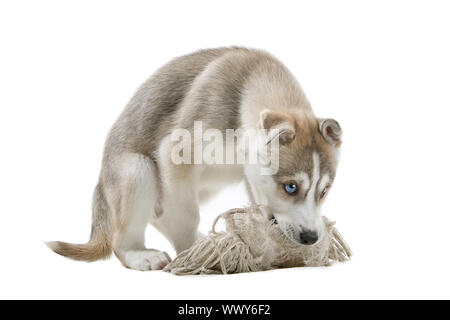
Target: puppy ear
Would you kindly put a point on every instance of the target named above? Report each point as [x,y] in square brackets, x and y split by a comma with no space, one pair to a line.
[277,124]
[331,131]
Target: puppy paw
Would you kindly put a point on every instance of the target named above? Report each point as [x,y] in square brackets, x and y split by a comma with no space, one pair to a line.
[144,260]
[199,235]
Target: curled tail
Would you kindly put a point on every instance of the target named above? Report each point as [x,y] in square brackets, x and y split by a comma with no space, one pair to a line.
[99,246]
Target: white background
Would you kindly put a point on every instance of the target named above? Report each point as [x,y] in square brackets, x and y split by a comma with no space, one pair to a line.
[381,68]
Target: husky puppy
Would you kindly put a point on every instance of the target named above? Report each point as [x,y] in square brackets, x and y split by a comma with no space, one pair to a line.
[224,88]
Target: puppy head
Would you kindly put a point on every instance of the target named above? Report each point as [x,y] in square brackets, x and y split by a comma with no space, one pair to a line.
[308,157]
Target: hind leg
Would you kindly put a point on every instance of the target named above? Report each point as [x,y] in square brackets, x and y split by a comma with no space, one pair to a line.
[134,196]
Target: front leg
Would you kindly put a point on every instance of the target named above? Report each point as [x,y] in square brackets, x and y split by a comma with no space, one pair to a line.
[179,217]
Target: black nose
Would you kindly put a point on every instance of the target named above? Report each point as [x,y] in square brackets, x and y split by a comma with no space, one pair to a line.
[308,237]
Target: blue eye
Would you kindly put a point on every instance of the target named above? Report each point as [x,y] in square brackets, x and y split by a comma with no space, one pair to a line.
[290,188]
[324,191]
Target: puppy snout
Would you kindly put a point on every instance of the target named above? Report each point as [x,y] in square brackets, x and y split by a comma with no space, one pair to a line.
[308,237]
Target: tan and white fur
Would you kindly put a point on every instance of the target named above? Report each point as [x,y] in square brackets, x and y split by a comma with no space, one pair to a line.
[225,88]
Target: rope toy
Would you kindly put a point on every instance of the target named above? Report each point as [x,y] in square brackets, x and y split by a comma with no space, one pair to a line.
[252,243]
